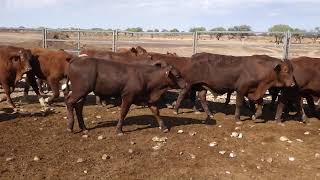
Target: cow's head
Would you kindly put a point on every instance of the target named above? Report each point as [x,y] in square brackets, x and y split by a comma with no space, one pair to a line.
[284,72]
[174,78]
[21,61]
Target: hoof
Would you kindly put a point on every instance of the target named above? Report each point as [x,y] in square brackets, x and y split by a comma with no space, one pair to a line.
[253,117]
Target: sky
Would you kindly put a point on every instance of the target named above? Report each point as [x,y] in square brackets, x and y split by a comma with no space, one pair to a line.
[161,14]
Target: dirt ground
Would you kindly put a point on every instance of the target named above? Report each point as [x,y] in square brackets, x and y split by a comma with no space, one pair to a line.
[259,154]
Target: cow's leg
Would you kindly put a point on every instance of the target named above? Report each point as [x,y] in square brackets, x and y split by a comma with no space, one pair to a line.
[54,84]
[181,96]
[193,98]
[239,102]
[202,96]
[258,109]
[154,109]
[79,110]
[279,111]
[7,91]
[274,95]
[228,98]
[31,80]
[40,85]
[71,102]
[301,111]
[125,106]
[312,106]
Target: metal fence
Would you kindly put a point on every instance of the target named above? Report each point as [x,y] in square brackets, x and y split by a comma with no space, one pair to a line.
[79,38]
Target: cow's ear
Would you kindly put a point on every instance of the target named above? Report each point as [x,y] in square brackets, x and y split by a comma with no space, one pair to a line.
[277,68]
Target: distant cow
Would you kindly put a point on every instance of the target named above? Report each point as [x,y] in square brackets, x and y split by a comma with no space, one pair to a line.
[14,62]
[134,84]
[307,78]
[249,76]
[48,65]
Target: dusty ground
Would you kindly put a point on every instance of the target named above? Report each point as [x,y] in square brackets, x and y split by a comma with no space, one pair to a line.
[259,153]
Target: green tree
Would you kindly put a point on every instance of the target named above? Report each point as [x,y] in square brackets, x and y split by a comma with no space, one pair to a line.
[156,30]
[240,28]
[174,30]
[218,29]
[149,30]
[194,29]
[137,29]
[280,28]
[164,30]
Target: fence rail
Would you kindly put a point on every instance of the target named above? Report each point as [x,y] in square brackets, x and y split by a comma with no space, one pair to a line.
[114,41]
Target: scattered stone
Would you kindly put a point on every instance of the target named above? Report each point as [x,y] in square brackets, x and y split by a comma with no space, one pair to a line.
[234,134]
[36,158]
[269,160]
[300,140]
[85,118]
[132,142]
[291,158]
[263,143]
[98,117]
[283,138]
[228,172]
[85,136]
[100,137]
[180,131]
[40,129]
[232,155]
[222,152]
[156,147]
[93,122]
[317,155]
[242,150]
[240,135]
[251,126]
[65,117]
[289,141]
[306,133]
[258,167]
[80,160]
[9,159]
[192,156]
[213,144]
[157,139]
[220,126]
[237,128]
[105,157]
[85,171]
[192,133]
[181,153]
[130,151]
[35,119]
[226,139]
[113,112]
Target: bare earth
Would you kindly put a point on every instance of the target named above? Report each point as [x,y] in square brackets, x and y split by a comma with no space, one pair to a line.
[259,154]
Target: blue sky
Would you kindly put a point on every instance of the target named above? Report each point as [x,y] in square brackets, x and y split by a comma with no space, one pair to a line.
[149,14]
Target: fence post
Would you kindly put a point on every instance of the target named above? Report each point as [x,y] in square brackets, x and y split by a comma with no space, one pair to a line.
[78,48]
[114,40]
[44,37]
[194,44]
[286,45]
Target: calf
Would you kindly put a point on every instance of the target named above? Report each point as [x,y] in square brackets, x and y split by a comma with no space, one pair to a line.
[307,78]
[14,62]
[249,76]
[48,65]
[134,84]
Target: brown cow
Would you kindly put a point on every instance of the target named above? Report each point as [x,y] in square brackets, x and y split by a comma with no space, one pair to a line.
[134,84]
[48,65]
[307,78]
[14,62]
[249,76]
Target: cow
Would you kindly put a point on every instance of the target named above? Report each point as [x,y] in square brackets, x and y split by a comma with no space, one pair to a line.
[307,79]
[50,66]
[249,76]
[14,62]
[134,84]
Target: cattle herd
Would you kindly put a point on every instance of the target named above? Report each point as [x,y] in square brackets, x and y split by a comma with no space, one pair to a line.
[136,76]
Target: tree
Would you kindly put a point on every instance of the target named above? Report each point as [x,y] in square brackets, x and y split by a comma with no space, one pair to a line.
[280,28]
[149,30]
[164,30]
[174,30]
[137,29]
[194,29]
[239,28]
[218,29]
[218,35]
[156,30]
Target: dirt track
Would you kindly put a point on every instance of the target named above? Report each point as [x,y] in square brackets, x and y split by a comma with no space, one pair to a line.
[33,134]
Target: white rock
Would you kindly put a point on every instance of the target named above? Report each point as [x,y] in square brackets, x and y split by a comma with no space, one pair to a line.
[306,133]
[157,139]
[289,141]
[283,138]
[222,152]
[269,160]
[317,155]
[132,142]
[237,128]
[192,156]
[100,137]
[156,147]
[220,126]
[130,151]
[36,158]
[85,171]
[242,150]
[180,131]
[65,117]
[181,153]
[85,136]
[113,112]
[291,158]
[232,155]
[234,134]
[299,140]
[98,117]
[80,160]
[228,172]
[240,135]
[105,157]
[213,144]
[85,118]
[9,159]
[192,133]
